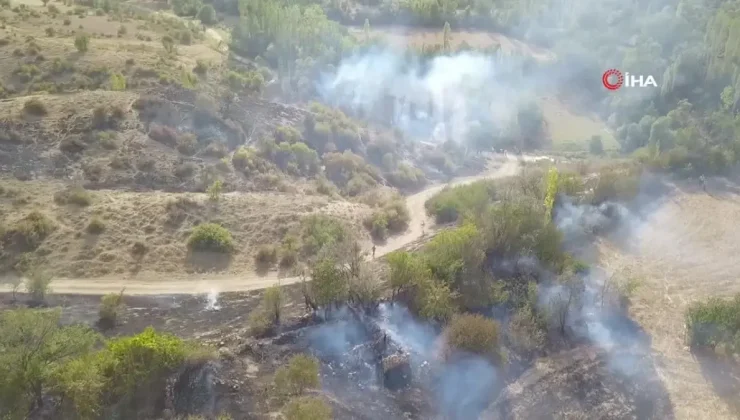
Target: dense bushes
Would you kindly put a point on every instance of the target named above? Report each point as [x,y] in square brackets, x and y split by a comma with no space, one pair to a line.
[715,324]
[319,232]
[30,231]
[451,203]
[211,237]
[392,217]
[474,334]
[299,374]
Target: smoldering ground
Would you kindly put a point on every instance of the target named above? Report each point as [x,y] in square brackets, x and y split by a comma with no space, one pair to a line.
[458,387]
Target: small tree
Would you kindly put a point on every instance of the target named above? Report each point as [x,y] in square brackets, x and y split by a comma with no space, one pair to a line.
[207,15]
[596,146]
[273,302]
[169,44]
[15,283]
[82,42]
[110,309]
[37,284]
[446,37]
[215,190]
[329,286]
[300,373]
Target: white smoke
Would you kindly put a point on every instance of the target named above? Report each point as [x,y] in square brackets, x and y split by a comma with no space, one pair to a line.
[440,97]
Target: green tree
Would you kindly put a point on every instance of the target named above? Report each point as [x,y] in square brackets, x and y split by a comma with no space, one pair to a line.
[82,42]
[300,373]
[446,37]
[272,301]
[207,15]
[329,285]
[34,346]
[169,44]
[214,190]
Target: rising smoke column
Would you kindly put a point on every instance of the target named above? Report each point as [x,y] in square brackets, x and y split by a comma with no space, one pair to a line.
[436,99]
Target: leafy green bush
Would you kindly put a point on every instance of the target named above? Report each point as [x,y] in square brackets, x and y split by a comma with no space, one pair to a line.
[451,203]
[299,374]
[272,302]
[307,408]
[393,217]
[211,237]
[82,42]
[36,347]
[615,185]
[111,306]
[319,232]
[259,323]
[143,358]
[715,323]
[474,334]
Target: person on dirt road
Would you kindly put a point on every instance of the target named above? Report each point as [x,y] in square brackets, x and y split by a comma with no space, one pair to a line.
[373,251]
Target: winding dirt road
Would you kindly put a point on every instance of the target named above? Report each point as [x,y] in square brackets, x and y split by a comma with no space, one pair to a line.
[160,284]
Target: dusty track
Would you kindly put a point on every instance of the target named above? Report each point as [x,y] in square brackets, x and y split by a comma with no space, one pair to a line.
[157,284]
[686,250]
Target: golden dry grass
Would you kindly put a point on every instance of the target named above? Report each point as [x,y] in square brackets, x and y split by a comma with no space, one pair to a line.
[161,222]
[686,251]
[572,132]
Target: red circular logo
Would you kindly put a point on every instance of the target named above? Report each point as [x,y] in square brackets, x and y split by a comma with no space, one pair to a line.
[613,74]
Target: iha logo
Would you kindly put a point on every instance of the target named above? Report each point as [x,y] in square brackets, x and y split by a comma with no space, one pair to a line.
[613,80]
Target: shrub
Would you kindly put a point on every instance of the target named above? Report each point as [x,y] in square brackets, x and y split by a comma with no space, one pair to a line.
[111,306]
[96,226]
[211,237]
[451,203]
[715,323]
[117,82]
[299,374]
[164,134]
[82,42]
[32,229]
[272,302]
[474,334]
[37,284]
[75,195]
[67,22]
[168,43]
[187,143]
[319,232]
[214,190]
[35,107]
[266,256]
[49,31]
[185,37]
[201,67]
[259,323]
[288,257]
[328,284]
[207,15]
[307,408]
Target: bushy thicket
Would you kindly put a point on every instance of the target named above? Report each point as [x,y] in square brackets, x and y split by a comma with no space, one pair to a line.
[91,377]
[392,217]
[715,324]
[450,204]
[211,237]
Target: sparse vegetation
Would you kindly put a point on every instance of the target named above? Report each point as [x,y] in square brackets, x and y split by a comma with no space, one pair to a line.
[715,324]
[307,408]
[111,306]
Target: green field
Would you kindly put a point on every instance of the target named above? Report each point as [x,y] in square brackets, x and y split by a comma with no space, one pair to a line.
[571,132]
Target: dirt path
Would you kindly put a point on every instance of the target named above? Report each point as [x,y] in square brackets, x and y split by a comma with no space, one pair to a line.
[159,284]
[687,250]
